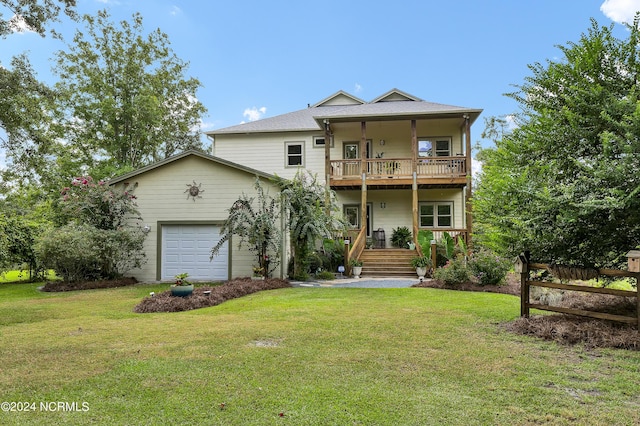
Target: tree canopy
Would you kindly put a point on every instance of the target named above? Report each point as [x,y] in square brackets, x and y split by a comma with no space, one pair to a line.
[564,183]
[124,101]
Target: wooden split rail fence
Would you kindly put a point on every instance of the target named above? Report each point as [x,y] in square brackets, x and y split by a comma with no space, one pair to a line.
[524,268]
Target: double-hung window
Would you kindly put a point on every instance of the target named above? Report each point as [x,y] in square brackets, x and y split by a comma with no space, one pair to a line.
[434,147]
[436,214]
[294,152]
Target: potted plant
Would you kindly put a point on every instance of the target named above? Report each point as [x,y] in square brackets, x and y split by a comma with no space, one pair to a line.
[182,287]
[400,237]
[422,264]
[258,273]
[356,267]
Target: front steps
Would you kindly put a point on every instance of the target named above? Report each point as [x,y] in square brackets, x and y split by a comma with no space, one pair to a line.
[388,263]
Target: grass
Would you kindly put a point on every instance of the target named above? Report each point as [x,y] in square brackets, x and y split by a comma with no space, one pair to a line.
[21,276]
[318,356]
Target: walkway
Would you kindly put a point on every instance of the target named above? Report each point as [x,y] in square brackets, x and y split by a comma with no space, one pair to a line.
[360,283]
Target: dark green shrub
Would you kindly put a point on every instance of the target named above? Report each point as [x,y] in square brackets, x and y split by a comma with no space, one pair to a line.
[453,272]
[488,268]
[85,253]
[70,252]
[401,236]
[332,254]
[325,275]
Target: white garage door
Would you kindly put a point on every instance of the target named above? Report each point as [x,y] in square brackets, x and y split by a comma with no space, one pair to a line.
[186,248]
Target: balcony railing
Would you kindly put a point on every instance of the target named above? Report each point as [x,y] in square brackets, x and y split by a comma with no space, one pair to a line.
[431,167]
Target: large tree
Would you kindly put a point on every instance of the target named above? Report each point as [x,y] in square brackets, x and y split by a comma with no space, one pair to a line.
[125,101]
[25,102]
[565,184]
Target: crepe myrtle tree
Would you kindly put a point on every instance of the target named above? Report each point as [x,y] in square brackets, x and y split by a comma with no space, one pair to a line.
[253,220]
[102,237]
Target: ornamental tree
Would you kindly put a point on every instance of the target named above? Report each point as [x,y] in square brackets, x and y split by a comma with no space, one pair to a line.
[309,205]
[254,222]
[102,238]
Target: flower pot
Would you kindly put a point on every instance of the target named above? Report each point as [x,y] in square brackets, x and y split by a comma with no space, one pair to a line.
[421,271]
[357,270]
[181,290]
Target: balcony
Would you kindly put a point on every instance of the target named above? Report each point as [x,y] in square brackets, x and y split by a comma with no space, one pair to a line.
[443,171]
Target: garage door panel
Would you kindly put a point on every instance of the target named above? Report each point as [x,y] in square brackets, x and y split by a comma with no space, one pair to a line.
[187,248]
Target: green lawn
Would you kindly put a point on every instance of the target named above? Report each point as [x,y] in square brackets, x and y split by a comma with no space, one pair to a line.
[318,356]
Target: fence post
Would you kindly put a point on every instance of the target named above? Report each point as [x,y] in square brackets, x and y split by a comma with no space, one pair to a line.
[522,267]
[638,301]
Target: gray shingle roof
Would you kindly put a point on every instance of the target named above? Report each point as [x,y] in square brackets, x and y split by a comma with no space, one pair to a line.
[309,119]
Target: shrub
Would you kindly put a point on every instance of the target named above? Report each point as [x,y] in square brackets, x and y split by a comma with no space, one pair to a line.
[400,237]
[70,251]
[100,241]
[454,272]
[488,268]
[85,253]
[325,275]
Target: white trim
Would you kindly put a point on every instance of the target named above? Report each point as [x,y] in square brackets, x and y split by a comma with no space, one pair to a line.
[436,216]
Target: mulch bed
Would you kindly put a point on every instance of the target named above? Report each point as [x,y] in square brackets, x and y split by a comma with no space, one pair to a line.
[568,329]
[54,286]
[165,302]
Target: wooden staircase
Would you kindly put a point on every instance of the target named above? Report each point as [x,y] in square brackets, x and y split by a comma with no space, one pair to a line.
[388,263]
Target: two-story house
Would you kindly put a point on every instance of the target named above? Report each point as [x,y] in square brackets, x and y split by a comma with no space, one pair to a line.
[395,161]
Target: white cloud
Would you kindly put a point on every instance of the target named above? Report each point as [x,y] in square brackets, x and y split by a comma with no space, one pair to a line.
[175,10]
[253,114]
[358,88]
[476,168]
[621,11]
[18,25]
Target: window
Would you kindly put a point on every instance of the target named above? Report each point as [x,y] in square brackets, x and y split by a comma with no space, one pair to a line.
[434,147]
[319,141]
[351,151]
[436,215]
[352,215]
[294,152]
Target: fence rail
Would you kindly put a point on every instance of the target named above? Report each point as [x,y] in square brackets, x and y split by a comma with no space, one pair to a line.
[524,267]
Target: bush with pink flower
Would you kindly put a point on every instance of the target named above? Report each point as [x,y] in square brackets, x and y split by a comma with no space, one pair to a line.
[102,238]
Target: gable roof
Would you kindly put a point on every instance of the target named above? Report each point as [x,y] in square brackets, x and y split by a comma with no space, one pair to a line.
[184,154]
[339,98]
[395,95]
[343,107]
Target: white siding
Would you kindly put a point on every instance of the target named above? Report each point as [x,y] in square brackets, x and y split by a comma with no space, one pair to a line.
[266,152]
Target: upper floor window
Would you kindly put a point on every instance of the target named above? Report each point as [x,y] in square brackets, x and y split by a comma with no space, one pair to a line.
[319,141]
[434,147]
[436,215]
[294,152]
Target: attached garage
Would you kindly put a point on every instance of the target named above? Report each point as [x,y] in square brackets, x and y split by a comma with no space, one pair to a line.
[182,201]
[186,248]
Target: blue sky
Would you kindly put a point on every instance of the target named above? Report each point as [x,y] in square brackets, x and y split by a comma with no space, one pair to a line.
[257,59]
